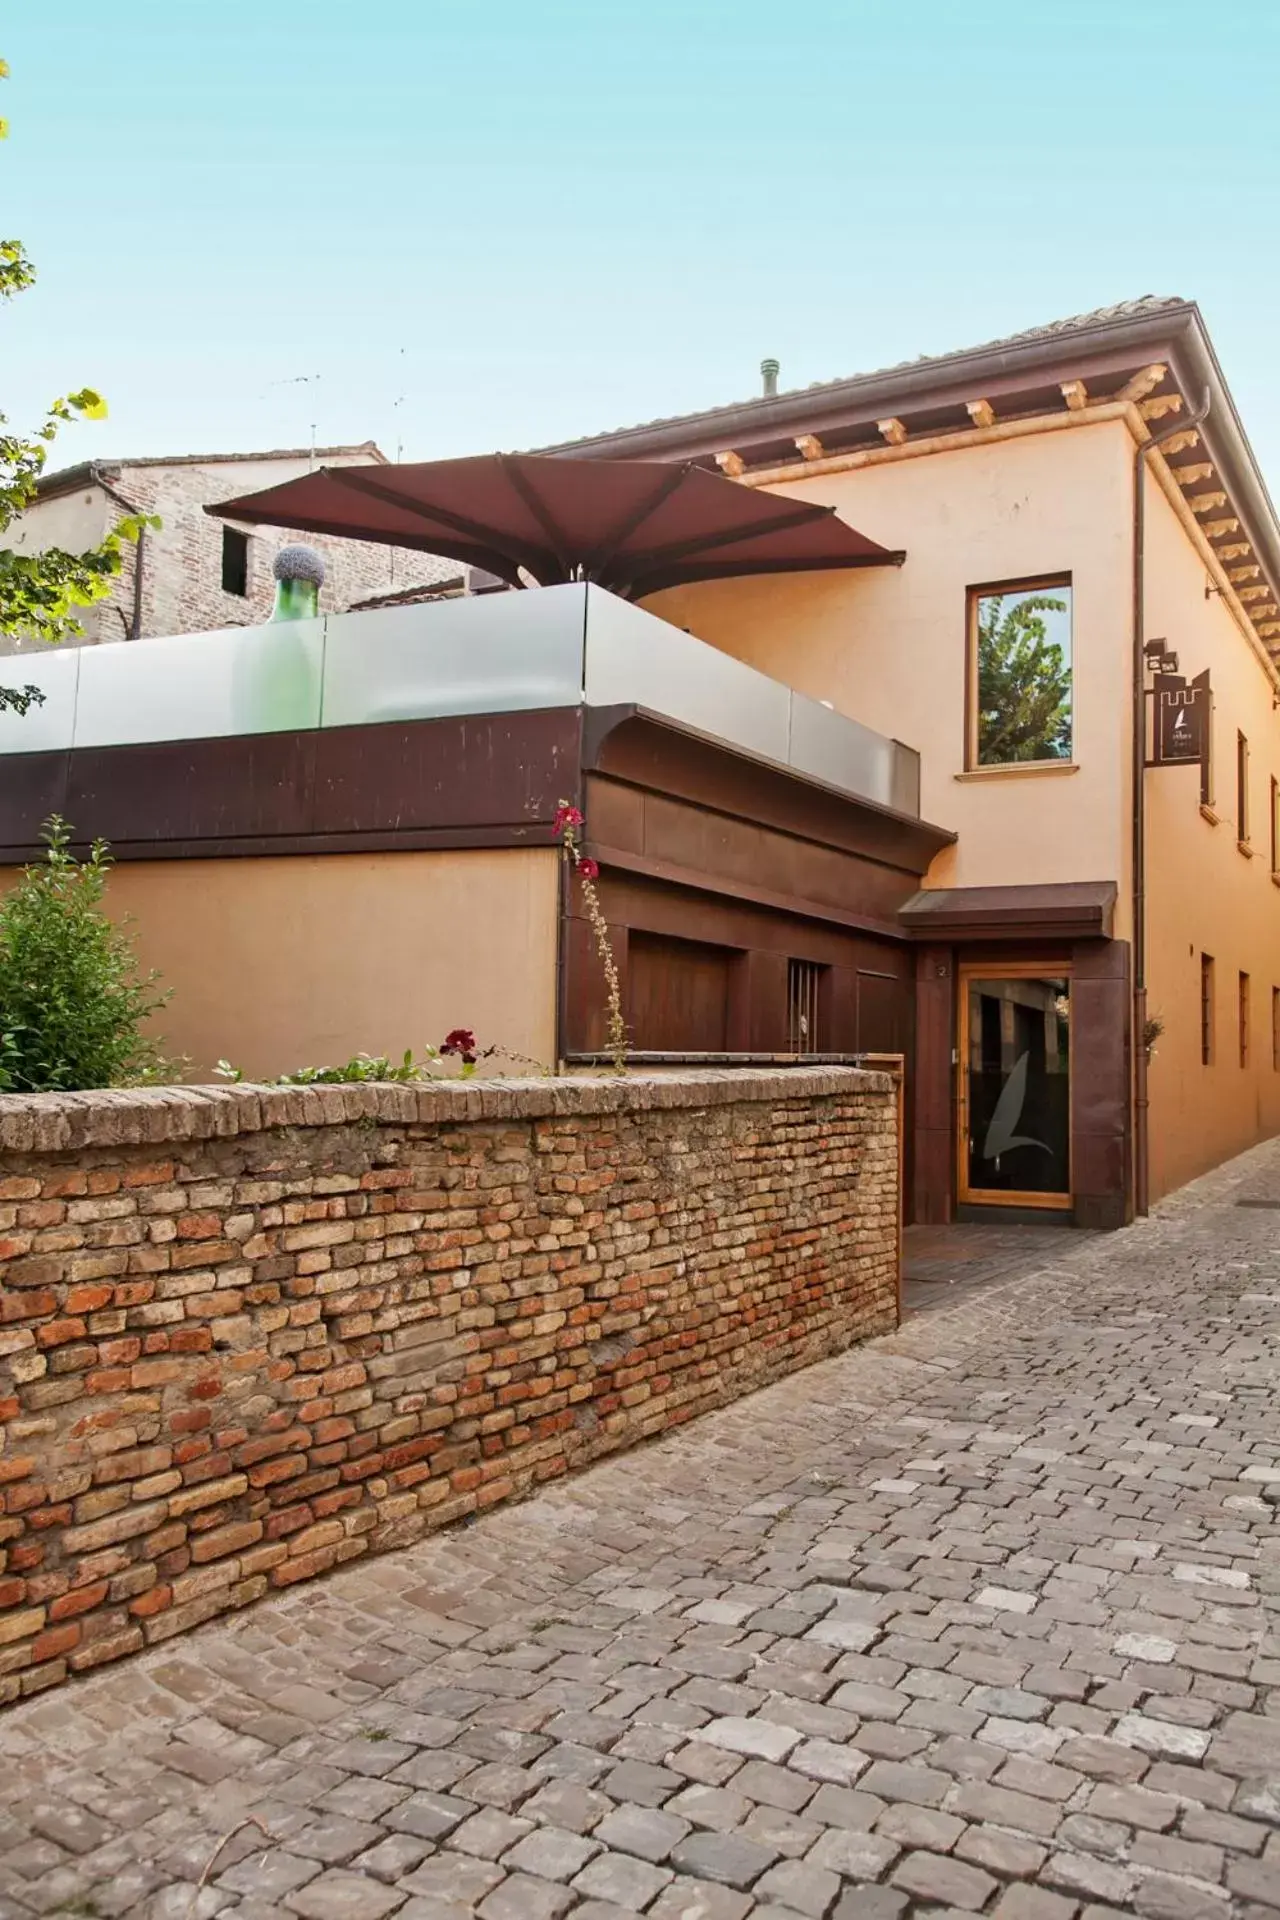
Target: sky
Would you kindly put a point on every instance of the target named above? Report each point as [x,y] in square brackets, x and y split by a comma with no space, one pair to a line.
[455,227]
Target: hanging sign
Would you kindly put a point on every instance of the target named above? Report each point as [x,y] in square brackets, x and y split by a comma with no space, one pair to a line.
[1182,720]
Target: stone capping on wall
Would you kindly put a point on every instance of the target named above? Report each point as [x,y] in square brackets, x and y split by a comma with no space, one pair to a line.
[152,1116]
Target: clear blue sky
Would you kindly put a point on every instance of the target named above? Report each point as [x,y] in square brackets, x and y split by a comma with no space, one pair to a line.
[537,218]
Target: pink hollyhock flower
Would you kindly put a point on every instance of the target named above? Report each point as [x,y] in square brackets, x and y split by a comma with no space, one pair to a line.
[567,816]
[462,1042]
[589,868]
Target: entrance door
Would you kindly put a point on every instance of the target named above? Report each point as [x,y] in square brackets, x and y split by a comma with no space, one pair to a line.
[1015,1087]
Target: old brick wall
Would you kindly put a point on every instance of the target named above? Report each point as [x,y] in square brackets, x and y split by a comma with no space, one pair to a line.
[249,1334]
[182,562]
[182,565]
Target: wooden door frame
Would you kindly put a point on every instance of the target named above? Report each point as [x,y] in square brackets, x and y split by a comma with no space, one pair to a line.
[988,969]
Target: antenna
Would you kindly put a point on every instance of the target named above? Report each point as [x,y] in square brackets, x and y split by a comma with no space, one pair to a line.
[396,405]
[302,380]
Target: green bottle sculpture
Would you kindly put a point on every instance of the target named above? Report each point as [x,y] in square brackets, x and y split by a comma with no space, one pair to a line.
[278,680]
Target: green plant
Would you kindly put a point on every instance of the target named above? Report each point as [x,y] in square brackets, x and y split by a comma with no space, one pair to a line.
[368,1066]
[72,1002]
[1024,681]
[40,591]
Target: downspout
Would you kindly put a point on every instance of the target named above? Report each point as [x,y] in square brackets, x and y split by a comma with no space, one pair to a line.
[139,556]
[100,479]
[1141,1183]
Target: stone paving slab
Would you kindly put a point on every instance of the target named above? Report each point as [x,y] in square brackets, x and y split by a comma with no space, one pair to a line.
[981,1618]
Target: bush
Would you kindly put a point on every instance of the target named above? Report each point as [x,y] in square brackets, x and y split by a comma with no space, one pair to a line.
[72,1003]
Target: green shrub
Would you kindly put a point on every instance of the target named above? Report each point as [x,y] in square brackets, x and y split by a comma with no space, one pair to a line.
[72,1002]
[360,1067]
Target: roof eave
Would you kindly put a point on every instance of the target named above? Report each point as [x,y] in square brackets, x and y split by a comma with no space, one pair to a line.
[808,408]
[1197,369]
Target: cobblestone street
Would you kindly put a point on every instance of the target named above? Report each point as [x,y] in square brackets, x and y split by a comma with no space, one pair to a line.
[981,1618]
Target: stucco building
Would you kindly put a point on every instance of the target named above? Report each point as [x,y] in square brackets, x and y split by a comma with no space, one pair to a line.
[192,575]
[1070,464]
[907,808]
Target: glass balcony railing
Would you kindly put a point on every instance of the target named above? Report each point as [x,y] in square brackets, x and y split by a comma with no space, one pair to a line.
[491,653]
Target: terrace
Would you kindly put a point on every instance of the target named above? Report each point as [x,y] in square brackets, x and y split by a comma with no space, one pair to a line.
[569,646]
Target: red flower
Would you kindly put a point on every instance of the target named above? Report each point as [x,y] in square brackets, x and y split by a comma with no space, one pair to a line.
[589,868]
[462,1042]
[566,817]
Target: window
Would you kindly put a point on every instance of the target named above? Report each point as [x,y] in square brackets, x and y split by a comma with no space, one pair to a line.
[1206,1009]
[1019,673]
[1242,790]
[1206,765]
[235,561]
[1275,825]
[1244,1019]
[1275,1029]
[802,1006]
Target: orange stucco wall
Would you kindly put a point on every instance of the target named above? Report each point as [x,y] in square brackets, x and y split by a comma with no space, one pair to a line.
[277,964]
[1203,894]
[887,645]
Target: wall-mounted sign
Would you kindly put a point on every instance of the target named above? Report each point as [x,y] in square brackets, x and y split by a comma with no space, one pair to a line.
[1182,721]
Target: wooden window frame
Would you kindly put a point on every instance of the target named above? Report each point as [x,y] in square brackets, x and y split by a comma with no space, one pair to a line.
[1207,1010]
[1242,793]
[1038,583]
[1275,1029]
[1275,827]
[1048,968]
[1244,989]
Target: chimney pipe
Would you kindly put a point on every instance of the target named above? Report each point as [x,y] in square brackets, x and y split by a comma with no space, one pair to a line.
[769,374]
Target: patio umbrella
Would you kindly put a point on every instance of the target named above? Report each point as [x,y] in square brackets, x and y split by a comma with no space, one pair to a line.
[632,526]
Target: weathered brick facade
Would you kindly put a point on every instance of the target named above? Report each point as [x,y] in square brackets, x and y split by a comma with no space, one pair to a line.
[247,1335]
[182,589]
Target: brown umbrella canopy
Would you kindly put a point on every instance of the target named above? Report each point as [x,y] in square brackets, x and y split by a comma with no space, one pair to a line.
[629,525]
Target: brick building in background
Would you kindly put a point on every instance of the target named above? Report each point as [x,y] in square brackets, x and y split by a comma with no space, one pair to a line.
[196,574]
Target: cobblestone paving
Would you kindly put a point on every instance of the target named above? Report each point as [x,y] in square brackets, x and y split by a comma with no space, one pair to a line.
[979,1619]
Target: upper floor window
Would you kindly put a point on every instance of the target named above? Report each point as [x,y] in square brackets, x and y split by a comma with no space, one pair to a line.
[1242,790]
[1020,705]
[235,561]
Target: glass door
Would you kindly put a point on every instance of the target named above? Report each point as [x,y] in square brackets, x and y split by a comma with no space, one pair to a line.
[1015,1087]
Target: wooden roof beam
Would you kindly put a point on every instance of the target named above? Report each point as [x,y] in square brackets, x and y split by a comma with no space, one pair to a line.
[1214,529]
[731,464]
[1206,502]
[1188,476]
[1243,573]
[892,431]
[1076,395]
[1246,594]
[1179,442]
[1236,551]
[809,447]
[981,412]
[1163,403]
[1143,383]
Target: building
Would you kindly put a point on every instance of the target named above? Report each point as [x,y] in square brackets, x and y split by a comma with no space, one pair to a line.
[193,575]
[889,809]
[1070,464]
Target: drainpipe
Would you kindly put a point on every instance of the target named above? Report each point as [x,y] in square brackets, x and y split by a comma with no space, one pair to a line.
[139,556]
[1140,1099]
[100,479]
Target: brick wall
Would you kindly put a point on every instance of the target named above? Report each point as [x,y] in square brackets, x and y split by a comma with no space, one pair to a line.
[249,1334]
[182,562]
